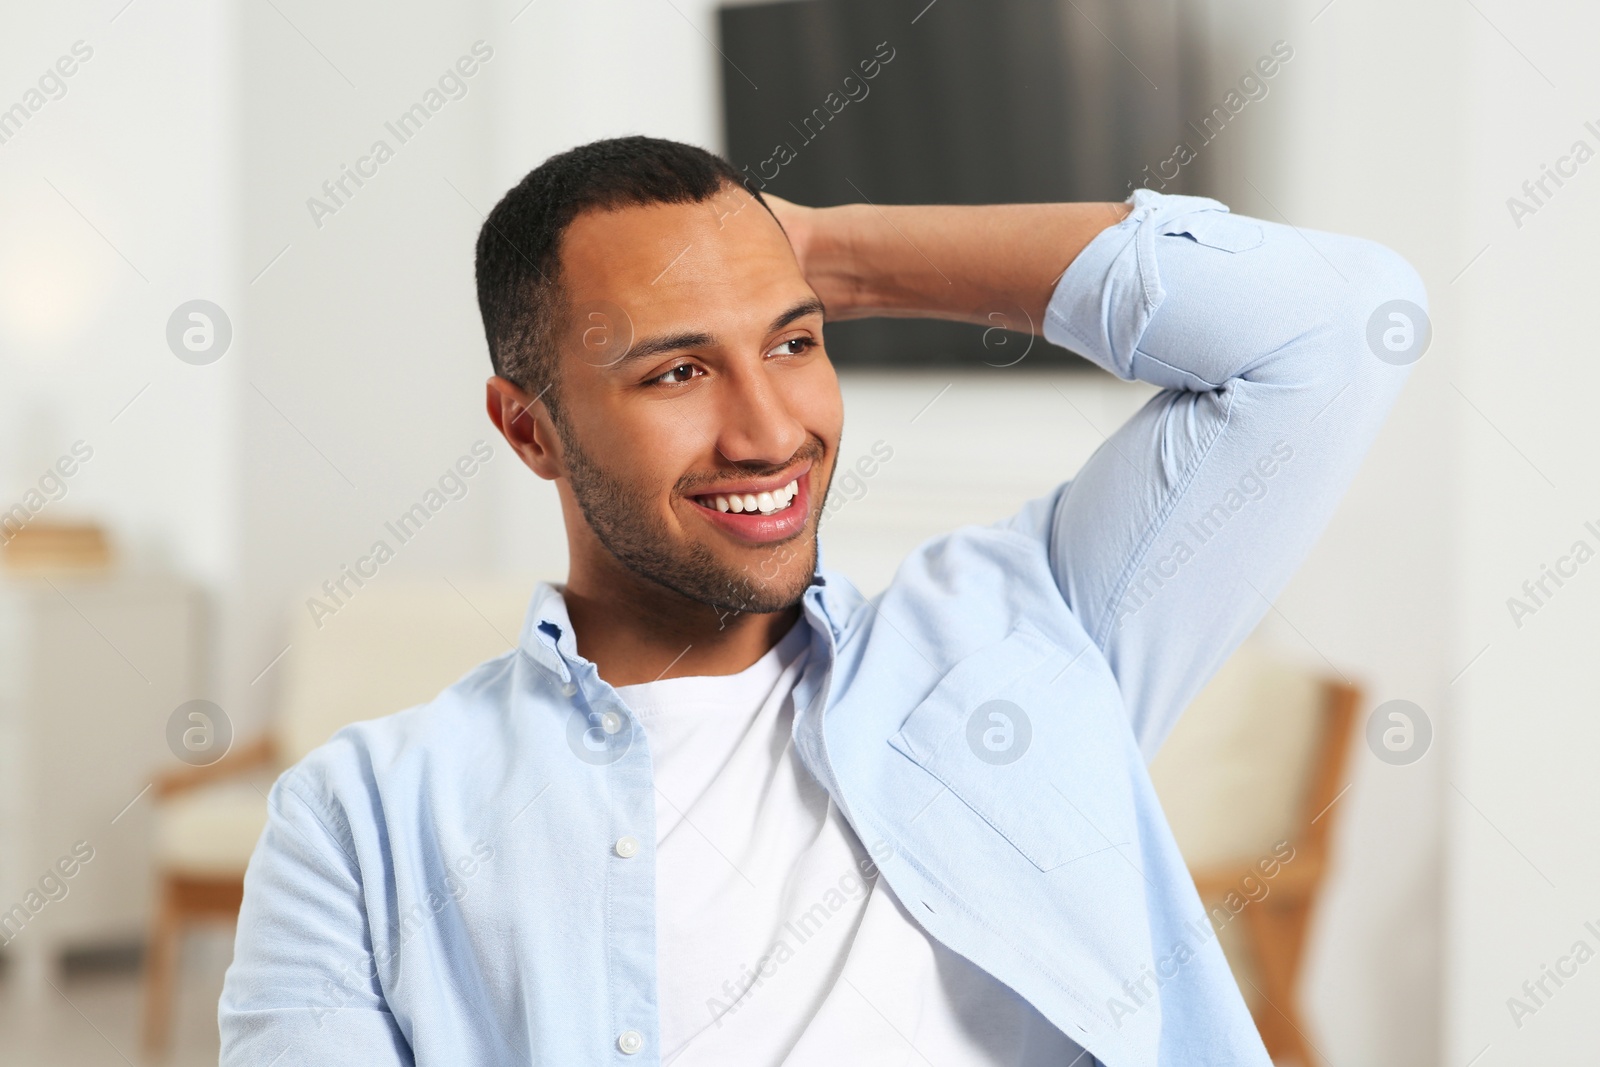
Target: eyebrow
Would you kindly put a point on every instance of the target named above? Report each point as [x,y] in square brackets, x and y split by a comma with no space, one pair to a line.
[655,346]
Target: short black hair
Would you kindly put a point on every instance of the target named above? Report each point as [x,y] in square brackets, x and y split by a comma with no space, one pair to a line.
[519,246]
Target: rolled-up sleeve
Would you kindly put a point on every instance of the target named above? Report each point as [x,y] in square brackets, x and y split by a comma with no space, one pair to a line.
[1174,538]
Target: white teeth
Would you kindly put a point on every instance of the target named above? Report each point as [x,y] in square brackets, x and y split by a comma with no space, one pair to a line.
[766,503]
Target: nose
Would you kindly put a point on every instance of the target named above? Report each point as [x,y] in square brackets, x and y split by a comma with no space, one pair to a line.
[755,423]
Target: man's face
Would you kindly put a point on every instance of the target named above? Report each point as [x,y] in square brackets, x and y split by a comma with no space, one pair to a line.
[692,369]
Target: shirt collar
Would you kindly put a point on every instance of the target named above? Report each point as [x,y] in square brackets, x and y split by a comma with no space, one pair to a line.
[547,630]
[547,634]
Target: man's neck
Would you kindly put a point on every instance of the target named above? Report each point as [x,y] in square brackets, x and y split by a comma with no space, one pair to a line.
[636,631]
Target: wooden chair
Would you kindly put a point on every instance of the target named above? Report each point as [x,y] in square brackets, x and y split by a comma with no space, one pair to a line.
[394,644]
[1260,757]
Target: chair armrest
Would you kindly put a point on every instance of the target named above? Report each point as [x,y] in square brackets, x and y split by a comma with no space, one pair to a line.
[1297,878]
[257,753]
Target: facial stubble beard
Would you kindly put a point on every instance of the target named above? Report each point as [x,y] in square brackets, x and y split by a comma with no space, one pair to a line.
[624,522]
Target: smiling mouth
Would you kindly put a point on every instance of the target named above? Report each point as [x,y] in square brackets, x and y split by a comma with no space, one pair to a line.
[770,502]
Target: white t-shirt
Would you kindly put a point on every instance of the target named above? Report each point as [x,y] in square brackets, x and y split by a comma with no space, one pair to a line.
[777,942]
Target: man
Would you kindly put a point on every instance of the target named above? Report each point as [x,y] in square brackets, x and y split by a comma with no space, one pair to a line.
[717,807]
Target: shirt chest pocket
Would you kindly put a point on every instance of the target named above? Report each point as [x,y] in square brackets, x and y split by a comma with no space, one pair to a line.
[1014,732]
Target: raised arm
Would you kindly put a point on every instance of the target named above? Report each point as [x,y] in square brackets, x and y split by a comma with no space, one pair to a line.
[943,262]
[1176,535]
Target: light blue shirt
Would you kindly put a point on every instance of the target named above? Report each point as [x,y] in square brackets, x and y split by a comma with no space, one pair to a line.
[446,885]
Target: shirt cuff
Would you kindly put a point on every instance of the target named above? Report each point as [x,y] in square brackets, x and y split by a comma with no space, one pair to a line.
[1109,293]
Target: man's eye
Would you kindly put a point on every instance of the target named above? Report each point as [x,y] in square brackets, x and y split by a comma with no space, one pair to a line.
[803,343]
[672,377]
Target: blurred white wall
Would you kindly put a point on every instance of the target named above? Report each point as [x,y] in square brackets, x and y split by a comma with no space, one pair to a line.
[118,202]
[360,380]
[1523,798]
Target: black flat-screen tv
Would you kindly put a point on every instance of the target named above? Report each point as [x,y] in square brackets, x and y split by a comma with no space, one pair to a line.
[951,102]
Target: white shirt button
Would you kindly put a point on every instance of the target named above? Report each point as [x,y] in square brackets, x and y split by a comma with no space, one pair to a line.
[567,688]
[627,848]
[630,1041]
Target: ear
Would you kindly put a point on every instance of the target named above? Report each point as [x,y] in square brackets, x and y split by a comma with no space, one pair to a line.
[525,423]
